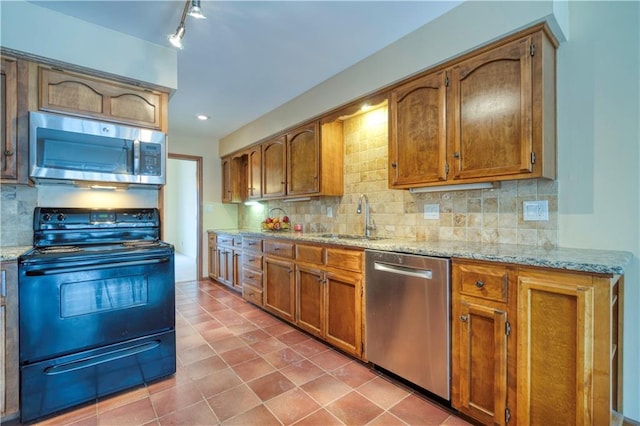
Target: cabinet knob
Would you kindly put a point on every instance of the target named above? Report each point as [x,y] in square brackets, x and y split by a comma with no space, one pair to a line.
[8,153]
[456,155]
[464,318]
[394,165]
[479,284]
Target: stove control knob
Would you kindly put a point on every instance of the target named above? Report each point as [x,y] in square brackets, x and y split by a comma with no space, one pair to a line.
[46,217]
[61,217]
[138,215]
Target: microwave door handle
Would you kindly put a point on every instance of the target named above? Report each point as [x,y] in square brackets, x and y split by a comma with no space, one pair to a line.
[136,157]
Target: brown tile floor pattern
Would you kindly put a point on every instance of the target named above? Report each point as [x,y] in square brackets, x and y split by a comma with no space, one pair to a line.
[238,365]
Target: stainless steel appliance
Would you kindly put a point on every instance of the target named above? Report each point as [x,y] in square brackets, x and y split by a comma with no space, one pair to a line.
[97,307]
[407,318]
[70,149]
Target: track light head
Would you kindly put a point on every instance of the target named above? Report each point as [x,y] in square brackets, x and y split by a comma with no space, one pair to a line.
[195,11]
[176,38]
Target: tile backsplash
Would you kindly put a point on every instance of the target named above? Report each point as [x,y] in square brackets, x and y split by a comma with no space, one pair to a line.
[482,215]
[16,220]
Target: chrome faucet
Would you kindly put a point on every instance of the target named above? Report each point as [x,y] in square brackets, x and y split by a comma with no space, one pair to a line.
[369,225]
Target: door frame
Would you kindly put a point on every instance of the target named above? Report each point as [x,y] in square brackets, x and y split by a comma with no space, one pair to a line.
[198,161]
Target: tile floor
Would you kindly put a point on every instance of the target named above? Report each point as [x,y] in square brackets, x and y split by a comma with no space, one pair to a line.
[238,365]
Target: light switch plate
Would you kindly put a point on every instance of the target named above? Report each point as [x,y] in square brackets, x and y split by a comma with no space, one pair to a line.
[329,211]
[535,210]
[432,211]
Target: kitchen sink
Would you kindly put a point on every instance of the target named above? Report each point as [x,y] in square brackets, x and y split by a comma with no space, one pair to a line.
[351,237]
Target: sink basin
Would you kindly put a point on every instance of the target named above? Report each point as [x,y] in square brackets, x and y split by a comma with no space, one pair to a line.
[350,237]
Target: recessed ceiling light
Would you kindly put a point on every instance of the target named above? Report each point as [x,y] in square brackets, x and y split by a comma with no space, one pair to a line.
[202,117]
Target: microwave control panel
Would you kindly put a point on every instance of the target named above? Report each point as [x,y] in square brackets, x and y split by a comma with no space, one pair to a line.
[150,159]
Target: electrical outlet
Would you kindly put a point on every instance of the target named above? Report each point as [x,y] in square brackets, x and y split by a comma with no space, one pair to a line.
[535,210]
[329,211]
[432,211]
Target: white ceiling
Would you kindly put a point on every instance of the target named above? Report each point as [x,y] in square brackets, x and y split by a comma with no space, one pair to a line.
[250,57]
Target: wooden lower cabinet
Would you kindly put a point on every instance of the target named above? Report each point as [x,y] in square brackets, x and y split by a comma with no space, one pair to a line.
[9,375]
[279,288]
[568,347]
[252,270]
[317,288]
[535,345]
[343,308]
[483,342]
[225,251]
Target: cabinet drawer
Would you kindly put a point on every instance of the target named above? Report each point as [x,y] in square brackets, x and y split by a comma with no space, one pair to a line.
[350,260]
[252,295]
[310,254]
[253,244]
[225,240]
[252,260]
[251,277]
[484,282]
[279,248]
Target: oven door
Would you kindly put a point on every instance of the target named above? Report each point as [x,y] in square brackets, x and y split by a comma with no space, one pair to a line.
[66,307]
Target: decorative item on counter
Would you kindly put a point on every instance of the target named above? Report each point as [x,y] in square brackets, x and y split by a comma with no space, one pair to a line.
[275,223]
[297,227]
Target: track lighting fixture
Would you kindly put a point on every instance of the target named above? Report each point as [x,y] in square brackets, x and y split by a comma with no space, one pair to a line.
[191,8]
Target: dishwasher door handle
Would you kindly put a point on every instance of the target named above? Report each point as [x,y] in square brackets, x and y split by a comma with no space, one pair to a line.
[403,270]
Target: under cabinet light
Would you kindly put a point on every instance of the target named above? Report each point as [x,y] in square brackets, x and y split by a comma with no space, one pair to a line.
[461,187]
[293,200]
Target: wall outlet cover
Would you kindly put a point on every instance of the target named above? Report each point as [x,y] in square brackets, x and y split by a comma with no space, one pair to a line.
[535,210]
[432,211]
[329,211]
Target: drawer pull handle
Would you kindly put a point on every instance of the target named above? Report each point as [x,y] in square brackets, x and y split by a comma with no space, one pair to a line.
[464,318]
[479,284]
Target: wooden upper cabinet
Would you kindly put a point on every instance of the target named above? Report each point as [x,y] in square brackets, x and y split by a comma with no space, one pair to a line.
[491,101]
[488,116]
[13,130]
[9,112]
[76,94]
[274,163]
[417,132]
[232,179]
[303,160]
[254,172]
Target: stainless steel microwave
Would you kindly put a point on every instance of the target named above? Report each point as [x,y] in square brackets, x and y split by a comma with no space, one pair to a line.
[70,149]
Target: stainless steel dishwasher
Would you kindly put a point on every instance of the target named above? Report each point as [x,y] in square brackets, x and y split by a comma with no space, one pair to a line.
[407,317]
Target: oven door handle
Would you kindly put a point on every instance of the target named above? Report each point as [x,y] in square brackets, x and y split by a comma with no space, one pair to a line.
[101,359]
[94,266]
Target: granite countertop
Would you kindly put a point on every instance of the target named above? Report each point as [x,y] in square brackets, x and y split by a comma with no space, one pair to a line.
[571,259]
[12,253]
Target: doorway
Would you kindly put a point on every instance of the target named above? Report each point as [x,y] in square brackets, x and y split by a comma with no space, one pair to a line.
[181,199]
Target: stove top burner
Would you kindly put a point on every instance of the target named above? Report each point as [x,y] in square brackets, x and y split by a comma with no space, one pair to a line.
[59,249]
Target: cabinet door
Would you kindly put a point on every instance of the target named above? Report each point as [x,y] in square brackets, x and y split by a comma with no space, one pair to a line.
[9,376]
[226,180]
[236,270]
[9,114]
[213,257]
[491,105]
[279,288]
[480,362]
[343,318]
[310,299]
[303,166]
[274,163]
[556,351]
[91,97]
[417,132]
[254,171]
